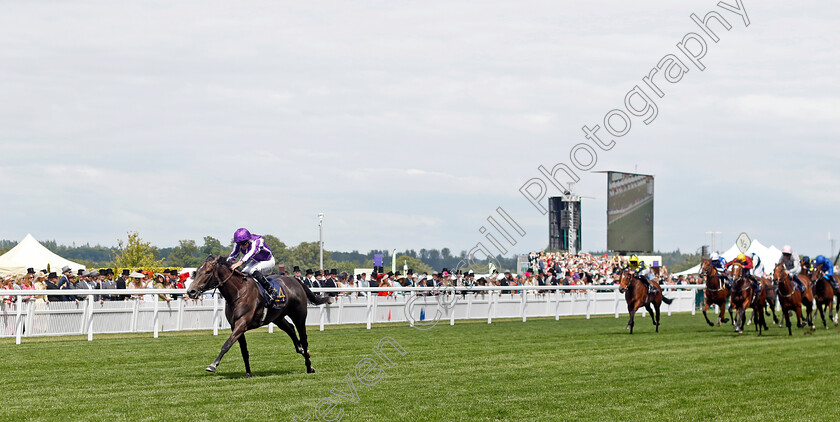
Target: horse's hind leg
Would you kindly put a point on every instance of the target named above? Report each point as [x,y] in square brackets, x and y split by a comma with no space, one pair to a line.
[243,346]
[656,307]
[822,314]
[290,330]
[652,315]
[300,324]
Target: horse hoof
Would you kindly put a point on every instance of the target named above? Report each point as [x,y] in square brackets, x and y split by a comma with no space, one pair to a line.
[300,350]
[248,375]
[310,370]
[211,368]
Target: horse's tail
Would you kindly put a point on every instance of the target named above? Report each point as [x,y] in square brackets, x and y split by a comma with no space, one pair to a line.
[315,299]
[666,300]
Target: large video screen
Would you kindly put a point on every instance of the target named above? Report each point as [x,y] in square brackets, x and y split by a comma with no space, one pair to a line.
[629,212]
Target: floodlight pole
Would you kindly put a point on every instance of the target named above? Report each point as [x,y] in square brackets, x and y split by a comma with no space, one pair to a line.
[321,237]
[714,241]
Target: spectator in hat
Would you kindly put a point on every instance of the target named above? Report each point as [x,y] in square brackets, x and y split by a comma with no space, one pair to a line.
[50,284]
[106,283]
[309,279]
[122,283]
[296,274]
[66,283]
[330,282]
[40,284]
[137,282]
[86,283]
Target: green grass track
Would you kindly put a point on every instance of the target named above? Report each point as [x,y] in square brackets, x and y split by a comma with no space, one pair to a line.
[572,369]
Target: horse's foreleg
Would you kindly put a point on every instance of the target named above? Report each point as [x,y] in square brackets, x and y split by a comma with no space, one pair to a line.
[706,308]
[243,346]
[786,315]
[237,331]
[290,330]
[631,323]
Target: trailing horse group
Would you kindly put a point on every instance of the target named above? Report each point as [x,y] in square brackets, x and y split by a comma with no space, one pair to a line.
[796,292]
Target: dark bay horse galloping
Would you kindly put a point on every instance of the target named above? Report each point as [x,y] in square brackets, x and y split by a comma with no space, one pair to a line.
[790,298]
[245,308]
[824,295]
[716,293]
[770,303]
[636,295]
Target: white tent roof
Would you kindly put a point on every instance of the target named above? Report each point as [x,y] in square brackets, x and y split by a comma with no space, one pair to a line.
[29,253]
[769,256]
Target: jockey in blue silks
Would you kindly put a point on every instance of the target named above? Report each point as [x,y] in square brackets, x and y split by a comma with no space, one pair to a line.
[827,268]
[719,264]
[257,259]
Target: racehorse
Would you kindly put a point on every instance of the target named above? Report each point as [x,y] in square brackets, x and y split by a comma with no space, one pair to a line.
[824,295]
[716,293]
[770,293]
[789,297]
[807,297]
[758,306]
[636,295]
[245,308]
[741,296]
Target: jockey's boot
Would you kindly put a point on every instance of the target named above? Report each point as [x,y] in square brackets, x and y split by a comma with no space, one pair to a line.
[272,294]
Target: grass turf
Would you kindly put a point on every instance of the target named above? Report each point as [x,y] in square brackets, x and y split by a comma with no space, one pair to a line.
[572,369]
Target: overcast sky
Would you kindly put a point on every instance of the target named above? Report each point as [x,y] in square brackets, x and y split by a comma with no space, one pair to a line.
[407,123]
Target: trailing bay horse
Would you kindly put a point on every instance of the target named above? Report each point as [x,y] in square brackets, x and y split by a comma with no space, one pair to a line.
[716,293]
[636,295]
[741,296]
[824,295]
[808,297]
[758,306]
[770,293]
[245,308]
[789,297]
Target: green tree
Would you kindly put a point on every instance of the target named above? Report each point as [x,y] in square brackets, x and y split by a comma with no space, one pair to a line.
[213,246]
[186,254]
[136,253]
[278,249]
[306,255]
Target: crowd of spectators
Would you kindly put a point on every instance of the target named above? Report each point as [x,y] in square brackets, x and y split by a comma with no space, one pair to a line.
[92,280]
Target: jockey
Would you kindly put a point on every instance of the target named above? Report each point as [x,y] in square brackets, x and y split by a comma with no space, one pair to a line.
[256,258]
[791,266]
[719,264]
[637,265]
[757,272]
[827,268]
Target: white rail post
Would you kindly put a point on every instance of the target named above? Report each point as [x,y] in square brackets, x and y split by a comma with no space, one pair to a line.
[452,308]
[323,315]
[370,309]
[411,317]
[588,303]
[84,316]
[30,316]
[694,301]
[341,307]
[155,316]
[669,306]
[215,314]
[18,319]
[180,313]
[490,308]
[135,314]
[557,305]
[572,296]
[524,301]
[469,304]
[90,318]
[617,301]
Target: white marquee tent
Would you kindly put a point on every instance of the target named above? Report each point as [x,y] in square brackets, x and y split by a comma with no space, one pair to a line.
[29,253]
[769,256]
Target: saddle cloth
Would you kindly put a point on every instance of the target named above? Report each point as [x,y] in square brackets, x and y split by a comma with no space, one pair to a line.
[277,303]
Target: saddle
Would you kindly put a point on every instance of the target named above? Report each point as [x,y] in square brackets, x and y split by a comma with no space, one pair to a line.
[280,301]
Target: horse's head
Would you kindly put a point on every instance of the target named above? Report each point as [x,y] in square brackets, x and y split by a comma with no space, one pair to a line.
[624,278]
[706,268]
[817,273]
[737,270]
[779,273]
[206,276]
